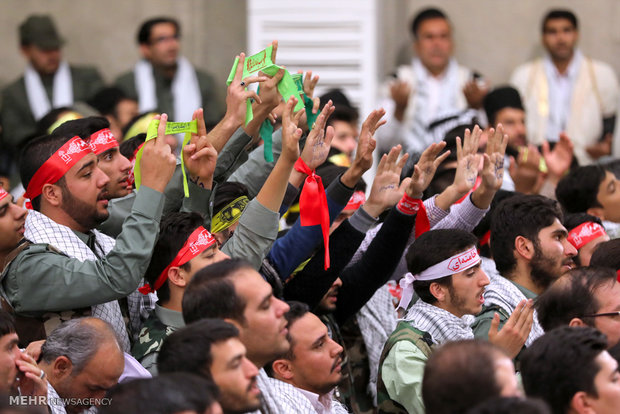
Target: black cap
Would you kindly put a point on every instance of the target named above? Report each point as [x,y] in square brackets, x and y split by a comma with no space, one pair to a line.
[500,98]
[39,30]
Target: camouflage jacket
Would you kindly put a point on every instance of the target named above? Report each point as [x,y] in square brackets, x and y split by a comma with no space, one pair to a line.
[157,327]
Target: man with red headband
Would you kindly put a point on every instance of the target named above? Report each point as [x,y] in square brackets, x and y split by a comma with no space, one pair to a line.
[183,248]
[585,233]
[69,267]
[445,273]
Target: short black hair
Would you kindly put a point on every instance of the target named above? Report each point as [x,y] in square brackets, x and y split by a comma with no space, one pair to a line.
[500,98]
[296,311]
[106,100]
[521,215]
[561,363]
[7,323]
[211,292]
[129,146]
[83,127]
[189,349]
[459,375]
[50,118]
[34,155]
[344,114]
[144,33]
[511,405]
[607,254]
[174,230]
[560,14]
[573,296]
[433,247]
[484,225]
[426,14]
[578,191]
[163,394]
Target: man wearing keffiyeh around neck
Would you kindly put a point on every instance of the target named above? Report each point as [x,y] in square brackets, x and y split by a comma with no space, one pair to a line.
[69,265]
[445,273]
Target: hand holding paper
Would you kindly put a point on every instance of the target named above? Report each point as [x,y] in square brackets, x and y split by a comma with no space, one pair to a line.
[157,162]
[237,95]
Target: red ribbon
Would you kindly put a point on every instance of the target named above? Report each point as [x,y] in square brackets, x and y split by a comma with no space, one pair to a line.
[102,141]
[57,166]
[3,194]
[199,241]
[313,208]
[409,205]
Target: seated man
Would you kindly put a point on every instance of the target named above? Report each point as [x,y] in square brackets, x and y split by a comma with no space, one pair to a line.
[585,233]
[461,374]
[165,394]
[212,349]
[530,249]
[232,290]
[570,369]
[591,189]
[82,360]
[446,275]
[588,296]
[70,267]
[307,375]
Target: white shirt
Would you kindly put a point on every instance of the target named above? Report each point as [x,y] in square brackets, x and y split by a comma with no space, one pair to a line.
[560,94]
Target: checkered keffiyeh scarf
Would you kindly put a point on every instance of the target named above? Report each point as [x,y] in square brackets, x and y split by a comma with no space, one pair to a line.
[41,229]
[503,293]
[440,324]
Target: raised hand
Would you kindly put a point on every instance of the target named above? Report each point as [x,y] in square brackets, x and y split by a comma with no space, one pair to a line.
[525,170]
[158,162]
[291,133]
[237,95]
[319,139]
[386,191]
[559,160]
[468,160]
[424,170]
[199,156]
[515,331]
[309,85]
[493,168]
[31,378]
[365,147]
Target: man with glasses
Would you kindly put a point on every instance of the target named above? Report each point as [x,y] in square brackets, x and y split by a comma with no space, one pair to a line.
[166,82]
[588,296]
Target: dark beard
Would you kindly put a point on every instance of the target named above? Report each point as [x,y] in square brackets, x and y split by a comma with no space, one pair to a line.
[85,215]
[541,269]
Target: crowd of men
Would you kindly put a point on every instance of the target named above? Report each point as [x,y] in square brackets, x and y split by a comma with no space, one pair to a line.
[247,267]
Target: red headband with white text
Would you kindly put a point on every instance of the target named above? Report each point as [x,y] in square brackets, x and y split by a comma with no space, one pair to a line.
[199,241]
[57,166]
[585,233]
[102,141]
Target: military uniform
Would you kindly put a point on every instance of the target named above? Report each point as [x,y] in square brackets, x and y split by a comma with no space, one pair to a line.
[391,385]
[17,119]
[42,280]
[156,329]
[163,90]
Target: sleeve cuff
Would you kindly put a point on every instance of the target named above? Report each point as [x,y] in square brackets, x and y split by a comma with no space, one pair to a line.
[362,221]
[149,203]
[338,192]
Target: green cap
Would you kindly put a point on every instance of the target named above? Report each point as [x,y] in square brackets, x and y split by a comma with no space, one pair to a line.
[39,30]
